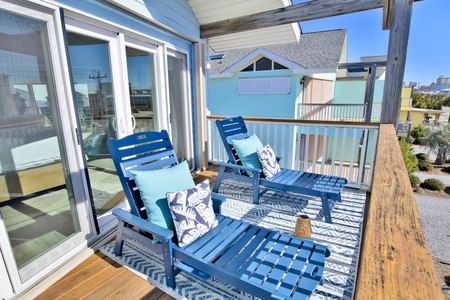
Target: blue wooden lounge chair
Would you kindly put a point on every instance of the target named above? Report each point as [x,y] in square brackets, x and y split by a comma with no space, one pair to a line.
[328,188]
[259,261]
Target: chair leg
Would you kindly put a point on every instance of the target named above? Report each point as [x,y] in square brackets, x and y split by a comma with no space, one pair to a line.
[169,269]
[326,208]
[255,184]
[119,238]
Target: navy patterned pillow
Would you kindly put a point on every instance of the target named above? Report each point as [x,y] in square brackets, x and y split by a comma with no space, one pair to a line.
[192,212]
[268,161]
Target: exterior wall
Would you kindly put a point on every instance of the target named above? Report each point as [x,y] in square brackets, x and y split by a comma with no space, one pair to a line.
[224,99]
[352,92]
[103,12]
[318,90]
[416,118]
[176,16]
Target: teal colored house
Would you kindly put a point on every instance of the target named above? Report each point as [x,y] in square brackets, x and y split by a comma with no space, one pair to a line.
[271,81]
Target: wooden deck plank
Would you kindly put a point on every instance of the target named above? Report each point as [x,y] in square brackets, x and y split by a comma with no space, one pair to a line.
[114,285]
[137,288]
[83,288]
[87,262]
[99,277]
[77,278]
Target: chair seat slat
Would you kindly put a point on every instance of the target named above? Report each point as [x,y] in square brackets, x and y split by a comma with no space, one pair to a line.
[237,247]
[248,250]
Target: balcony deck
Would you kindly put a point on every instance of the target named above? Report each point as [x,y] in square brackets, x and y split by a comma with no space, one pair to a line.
[100,274]
[394,262]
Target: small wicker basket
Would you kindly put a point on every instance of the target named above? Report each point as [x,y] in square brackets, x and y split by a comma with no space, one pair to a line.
[303,226]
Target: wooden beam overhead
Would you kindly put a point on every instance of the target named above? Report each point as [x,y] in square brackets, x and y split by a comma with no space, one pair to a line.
[388,8]
[312,10]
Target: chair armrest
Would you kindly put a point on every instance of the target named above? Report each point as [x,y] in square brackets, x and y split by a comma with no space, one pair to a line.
[218,200]
[156,230]
[238,167]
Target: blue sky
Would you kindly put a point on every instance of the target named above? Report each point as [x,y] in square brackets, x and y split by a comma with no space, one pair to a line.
[428,54]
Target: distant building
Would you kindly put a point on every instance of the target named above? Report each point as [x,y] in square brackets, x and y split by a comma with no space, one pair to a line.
[441,86]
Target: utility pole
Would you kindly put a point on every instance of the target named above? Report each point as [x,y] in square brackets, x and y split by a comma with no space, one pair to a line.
[98,109]
[99,81]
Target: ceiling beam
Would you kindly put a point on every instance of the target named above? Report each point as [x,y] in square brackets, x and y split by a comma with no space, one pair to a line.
[312,10]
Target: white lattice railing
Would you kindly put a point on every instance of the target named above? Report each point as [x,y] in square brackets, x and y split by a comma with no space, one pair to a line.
[334,148]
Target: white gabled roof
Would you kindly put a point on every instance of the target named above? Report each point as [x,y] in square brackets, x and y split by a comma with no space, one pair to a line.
[210,11]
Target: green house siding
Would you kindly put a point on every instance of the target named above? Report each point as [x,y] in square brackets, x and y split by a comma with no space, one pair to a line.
[352,92]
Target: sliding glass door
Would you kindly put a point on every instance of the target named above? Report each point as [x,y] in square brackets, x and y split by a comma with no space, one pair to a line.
[95,105]
[180,106]
[41,215]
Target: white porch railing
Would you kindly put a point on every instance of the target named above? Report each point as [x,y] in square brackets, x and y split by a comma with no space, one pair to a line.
[336,112]
[333,148]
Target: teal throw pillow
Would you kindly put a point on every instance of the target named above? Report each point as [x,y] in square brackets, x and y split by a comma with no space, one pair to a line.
[246,150]
[153,187]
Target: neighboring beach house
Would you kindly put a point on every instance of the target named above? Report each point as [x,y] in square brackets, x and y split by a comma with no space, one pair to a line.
[271,81]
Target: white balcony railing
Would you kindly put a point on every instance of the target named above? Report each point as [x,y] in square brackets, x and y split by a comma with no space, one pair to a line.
[333,148]
[336,112]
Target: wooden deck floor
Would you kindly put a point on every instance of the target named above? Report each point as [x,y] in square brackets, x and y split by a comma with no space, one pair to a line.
[99,277]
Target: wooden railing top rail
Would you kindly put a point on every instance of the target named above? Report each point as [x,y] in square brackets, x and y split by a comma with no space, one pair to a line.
[395,260]
[333,104]
[297,121]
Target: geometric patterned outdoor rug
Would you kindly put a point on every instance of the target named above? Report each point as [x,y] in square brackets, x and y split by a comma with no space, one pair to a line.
[276,211]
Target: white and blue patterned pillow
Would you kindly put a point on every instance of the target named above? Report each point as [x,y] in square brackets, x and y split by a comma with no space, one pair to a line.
[268,161]
[192,212]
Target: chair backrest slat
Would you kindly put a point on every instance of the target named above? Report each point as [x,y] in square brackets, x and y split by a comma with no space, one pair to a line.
[232,129]
[142,151]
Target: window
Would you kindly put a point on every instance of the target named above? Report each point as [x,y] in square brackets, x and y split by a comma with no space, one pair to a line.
[263,64]
[264,86]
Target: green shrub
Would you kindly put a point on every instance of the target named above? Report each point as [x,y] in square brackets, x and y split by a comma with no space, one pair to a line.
[425,166]
[414,180]
[409,158]
[420,134]
[433,184]
[422,156]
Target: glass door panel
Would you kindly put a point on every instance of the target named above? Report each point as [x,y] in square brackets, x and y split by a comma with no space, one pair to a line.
[94,100]
[141,83]
[179,108]
[37,202]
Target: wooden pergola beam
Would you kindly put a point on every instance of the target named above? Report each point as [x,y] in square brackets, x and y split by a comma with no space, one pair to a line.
[312,10]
